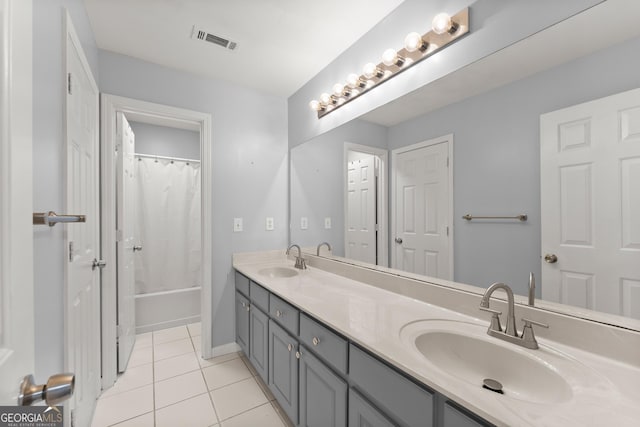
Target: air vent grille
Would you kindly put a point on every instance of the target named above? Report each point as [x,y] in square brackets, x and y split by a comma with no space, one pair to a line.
[212,38]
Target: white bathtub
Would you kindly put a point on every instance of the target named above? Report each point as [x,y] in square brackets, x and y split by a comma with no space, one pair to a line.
[161,310]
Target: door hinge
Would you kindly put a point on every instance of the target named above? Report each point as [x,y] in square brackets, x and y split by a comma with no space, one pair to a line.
[447,230]
[72,417]
[377,227]
[119,235]
[118,331]
[69,83]
[447,161]
[71,251]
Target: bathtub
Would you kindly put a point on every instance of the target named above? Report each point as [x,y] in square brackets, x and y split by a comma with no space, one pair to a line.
[161,310]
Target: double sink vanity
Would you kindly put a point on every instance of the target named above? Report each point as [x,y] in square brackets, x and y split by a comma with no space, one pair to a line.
[341,345]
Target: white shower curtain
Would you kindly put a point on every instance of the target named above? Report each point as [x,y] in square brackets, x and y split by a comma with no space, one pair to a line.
[167,225]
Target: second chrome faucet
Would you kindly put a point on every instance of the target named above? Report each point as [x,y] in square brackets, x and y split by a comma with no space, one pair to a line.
[300,262]
[510,332]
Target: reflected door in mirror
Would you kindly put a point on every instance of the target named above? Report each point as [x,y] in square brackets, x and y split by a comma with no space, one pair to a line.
[590,185]
[360,234]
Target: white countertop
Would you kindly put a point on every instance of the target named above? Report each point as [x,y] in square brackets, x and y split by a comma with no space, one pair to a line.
[372,317]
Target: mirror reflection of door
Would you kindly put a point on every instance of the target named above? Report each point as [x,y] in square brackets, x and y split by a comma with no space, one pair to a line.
[422,209]
[365,236]
[590,185]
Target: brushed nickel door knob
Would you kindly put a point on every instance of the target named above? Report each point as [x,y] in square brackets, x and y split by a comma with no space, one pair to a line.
[550,258]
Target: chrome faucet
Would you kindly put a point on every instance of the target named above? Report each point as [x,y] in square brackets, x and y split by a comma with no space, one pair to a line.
[300,262]
[510,333]
[320,245]
[532,289]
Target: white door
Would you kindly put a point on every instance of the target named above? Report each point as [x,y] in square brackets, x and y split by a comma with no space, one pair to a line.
[360,233]
[421,209]
[125,220]
[590,185]
[16,207]
[82,323]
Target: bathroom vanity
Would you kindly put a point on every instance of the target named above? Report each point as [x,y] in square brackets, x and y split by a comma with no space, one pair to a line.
[385,350]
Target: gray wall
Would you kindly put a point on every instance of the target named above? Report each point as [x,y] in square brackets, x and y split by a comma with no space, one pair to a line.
[317,182]
[250,162]
[497,158]
[48,92]
[494,24]
[166,141]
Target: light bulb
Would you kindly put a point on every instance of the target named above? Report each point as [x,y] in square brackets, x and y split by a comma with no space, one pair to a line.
[314,105]
[353,80]
[441,23]
[325,98]
[338,89]
[414,41]
[390,57]
[371,70]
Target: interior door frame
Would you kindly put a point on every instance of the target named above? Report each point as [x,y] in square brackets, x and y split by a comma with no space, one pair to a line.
[162,115]
[381,205]
[394,161]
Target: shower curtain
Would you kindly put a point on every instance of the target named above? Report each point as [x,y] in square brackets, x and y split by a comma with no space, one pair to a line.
[167,225]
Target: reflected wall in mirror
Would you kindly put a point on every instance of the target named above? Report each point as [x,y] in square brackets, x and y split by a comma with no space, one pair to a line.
[496,166]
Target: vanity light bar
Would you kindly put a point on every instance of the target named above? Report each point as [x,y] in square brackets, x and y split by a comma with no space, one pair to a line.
[445,30]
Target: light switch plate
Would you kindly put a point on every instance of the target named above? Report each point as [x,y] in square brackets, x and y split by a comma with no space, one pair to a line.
[327,223]
[269,223]
[237,225]
[304,223]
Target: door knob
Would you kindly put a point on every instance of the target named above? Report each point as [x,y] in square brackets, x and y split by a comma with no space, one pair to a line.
[399,240]
[58,388]
[98,263]
[137,248]
[550,258]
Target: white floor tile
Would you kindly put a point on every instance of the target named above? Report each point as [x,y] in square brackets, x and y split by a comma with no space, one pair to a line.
[140,356]
[144,340]
[249,366]
[225,373]
[263,416]
[145,420]
[174,366]
[133,377]
[171,334]
[216,360]
[194,329]
[237,398]
[179,388]
[123,406]
[171,349]
[194,412]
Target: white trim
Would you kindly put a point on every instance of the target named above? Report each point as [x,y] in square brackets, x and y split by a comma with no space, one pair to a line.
[394,155]
[382,206]
[221,350]
[172,117]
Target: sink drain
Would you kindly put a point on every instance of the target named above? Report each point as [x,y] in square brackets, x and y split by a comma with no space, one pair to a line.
[492,385]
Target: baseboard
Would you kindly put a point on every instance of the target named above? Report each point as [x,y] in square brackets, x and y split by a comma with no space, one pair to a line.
[221,350]
[168,324]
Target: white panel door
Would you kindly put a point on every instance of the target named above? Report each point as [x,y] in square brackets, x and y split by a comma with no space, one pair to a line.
[125,221]
[82,323]
[16,206]
[422,210]
[590,184]
[360,233]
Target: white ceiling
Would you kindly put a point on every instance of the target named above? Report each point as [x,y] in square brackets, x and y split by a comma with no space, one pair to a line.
[282,43]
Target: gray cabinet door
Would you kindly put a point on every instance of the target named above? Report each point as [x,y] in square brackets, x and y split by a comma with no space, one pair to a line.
[259,341]
[242,322]
[363,414]
[283,369]
[323,395]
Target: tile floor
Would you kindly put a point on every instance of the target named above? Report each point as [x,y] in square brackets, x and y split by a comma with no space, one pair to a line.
[168,384]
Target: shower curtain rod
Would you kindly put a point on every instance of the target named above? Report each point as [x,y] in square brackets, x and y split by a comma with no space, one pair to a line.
[177,159]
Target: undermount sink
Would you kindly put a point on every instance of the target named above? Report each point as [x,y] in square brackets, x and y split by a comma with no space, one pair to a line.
[278,272]
[464,350]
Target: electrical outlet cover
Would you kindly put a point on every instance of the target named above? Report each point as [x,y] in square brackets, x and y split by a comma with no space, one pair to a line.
[269,224]
[327,222]
[237,225]
[304,223]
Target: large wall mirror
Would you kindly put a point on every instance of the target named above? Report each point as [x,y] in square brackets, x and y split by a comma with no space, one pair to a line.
[475,137]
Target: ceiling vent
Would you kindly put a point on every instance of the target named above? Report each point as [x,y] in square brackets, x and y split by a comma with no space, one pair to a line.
[198,34]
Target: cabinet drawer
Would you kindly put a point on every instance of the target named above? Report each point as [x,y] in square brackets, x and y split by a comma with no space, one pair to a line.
[242,284]
[399,398]
[259,295]
[285,314]
[324,342]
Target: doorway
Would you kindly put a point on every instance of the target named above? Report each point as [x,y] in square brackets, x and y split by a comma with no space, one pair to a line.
[422,209]
[365,204]
[152,115]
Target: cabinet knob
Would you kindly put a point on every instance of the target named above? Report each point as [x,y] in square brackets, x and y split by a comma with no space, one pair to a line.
[315,341]
[298,355]
[289,347]
[244,304]
[248,307]
[278,313]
